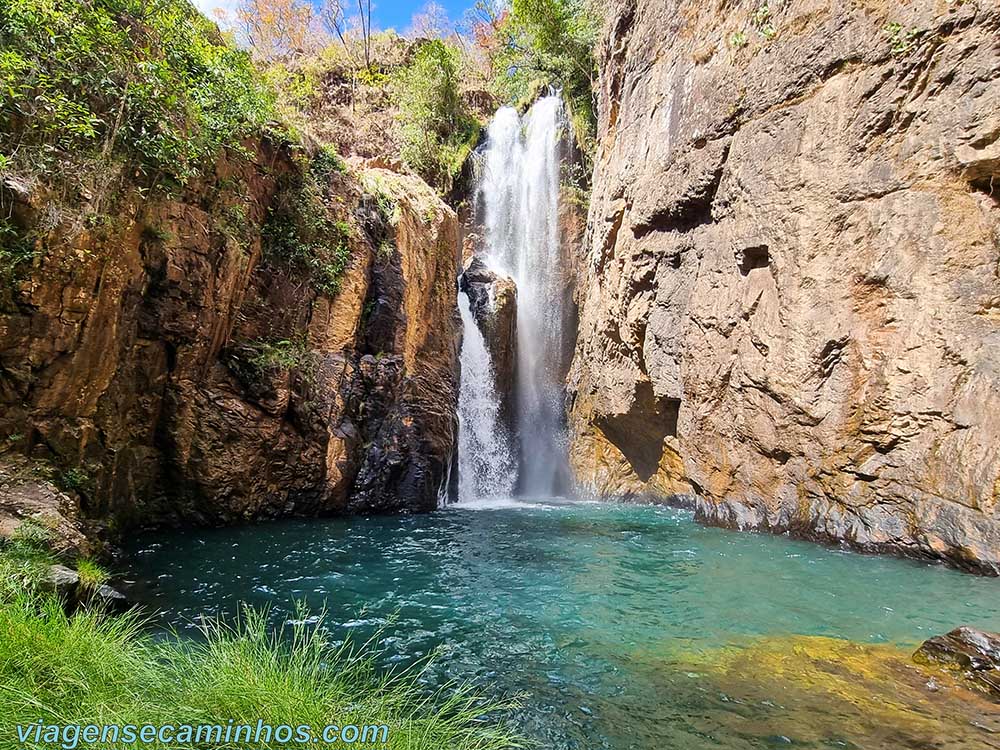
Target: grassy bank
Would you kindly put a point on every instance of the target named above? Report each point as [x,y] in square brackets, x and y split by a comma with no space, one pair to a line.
[97,668]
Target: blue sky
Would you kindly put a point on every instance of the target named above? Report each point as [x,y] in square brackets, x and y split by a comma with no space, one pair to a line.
[386,13]
[397,13]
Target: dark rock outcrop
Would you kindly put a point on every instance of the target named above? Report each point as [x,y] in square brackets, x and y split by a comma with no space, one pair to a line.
[973,653]
[27,495]
[792,255]
[65,583]
[182,375]
[493,300]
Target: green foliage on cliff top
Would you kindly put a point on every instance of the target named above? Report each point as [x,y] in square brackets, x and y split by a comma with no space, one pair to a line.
[551,42]
[437,130]
[302,234]
[97,668]
[153,81]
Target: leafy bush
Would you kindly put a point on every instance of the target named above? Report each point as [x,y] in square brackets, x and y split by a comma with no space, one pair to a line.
[437,130]
[301,233]
[550,42]
[154,81]
[268,357]
[74,480]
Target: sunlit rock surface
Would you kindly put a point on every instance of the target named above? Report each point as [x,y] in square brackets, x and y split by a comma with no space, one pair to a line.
[129,353]
[493,300]
[973,653]
[790,310]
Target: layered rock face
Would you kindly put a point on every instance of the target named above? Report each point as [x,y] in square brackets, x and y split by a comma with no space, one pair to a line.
[180,376]
[791,307]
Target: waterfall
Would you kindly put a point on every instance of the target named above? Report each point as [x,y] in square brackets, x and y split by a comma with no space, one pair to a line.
[518,198]
[486,467]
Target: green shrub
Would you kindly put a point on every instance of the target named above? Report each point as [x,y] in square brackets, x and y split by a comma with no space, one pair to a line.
[74,480]
[301,233]
[436,129]
[153,81]
[275,356]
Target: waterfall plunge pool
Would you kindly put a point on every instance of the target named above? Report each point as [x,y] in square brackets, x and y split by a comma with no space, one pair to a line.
[622,627]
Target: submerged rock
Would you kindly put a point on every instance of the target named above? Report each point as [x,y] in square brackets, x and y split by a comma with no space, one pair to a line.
[973,653]
[829,692]
[493,299]
[108,598]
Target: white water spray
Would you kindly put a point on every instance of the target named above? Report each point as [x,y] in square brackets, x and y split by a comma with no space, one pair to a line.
[519,195]
[486,466]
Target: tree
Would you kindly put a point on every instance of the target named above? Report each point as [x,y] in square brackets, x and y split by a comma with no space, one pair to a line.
[435,126]
[430,22]
[336,20]
[531,42]
[278,29]
[485,22]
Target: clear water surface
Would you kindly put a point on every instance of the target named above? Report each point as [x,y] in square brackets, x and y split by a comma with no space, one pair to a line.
[623,627]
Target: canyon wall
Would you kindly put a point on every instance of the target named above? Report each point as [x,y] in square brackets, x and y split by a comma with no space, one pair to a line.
[790,307]
[168,370]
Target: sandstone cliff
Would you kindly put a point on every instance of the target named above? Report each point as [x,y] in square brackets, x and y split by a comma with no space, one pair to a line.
[790,305]
[174,371]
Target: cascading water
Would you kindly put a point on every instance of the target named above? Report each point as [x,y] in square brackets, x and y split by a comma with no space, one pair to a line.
[485,463]
[518,196]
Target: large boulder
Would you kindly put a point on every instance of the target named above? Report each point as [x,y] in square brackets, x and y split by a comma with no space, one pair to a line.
[27,495]
[973,653]
[493,300]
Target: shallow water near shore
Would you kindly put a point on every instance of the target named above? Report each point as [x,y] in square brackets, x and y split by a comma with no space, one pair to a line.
[621,627]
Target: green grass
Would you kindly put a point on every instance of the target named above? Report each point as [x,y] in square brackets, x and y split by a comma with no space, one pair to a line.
[94,667]
[24,560]
[92,575]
